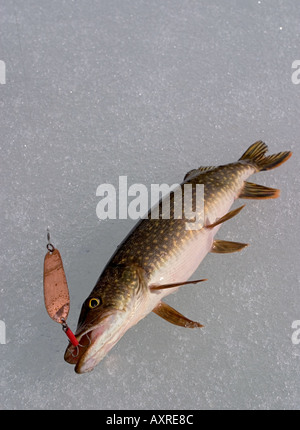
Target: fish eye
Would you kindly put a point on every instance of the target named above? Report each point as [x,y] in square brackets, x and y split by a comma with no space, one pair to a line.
[94,302]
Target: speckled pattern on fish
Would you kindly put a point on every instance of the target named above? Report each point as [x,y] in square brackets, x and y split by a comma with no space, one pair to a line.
[159,255]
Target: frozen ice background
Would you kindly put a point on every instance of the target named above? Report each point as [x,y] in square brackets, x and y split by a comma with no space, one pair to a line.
[96,89]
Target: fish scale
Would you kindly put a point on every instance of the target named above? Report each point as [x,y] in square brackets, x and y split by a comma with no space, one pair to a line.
[152,242]
[159,255]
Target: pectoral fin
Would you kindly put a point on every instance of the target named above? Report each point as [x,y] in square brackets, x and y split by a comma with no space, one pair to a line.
[176,284]
[224,246]
[174,317]
[226,217]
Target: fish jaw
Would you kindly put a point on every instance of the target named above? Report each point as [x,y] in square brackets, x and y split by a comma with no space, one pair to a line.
[95,342]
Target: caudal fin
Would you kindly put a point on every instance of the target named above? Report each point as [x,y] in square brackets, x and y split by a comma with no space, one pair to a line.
[256,155]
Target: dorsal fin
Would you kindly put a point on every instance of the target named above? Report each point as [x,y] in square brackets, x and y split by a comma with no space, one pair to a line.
[256,154]
[194,172]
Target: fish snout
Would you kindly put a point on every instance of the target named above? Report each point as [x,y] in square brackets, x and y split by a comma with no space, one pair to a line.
[94,342]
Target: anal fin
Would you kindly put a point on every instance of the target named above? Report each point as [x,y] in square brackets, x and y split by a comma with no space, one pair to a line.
[224,246]
[255,191]
[174,317]
[226,217]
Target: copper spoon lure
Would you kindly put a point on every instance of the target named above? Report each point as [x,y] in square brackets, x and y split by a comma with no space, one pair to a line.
[56,292]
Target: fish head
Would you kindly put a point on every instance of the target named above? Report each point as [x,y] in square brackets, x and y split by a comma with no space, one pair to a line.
[107,313]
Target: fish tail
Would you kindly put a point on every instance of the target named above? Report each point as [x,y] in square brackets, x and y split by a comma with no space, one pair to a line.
[255,155]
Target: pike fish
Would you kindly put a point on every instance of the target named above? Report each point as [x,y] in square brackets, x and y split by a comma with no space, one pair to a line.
[160,255]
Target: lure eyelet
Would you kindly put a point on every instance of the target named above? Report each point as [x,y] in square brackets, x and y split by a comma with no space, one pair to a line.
[94,302]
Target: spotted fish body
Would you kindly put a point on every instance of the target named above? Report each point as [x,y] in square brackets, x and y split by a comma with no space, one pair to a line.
[160,255]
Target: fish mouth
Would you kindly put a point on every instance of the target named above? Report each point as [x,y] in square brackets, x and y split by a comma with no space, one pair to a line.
[95,342]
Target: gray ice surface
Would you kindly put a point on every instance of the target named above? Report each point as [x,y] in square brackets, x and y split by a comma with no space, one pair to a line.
[150,89]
